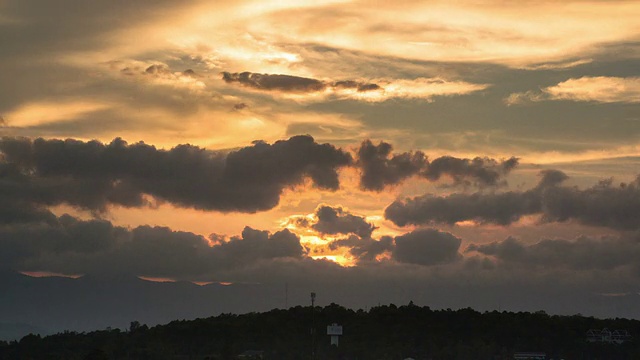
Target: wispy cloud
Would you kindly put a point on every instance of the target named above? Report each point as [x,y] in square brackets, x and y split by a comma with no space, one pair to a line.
[309,89]
[600,89]
[44,112]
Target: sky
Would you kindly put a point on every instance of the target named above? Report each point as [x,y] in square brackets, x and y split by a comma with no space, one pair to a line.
[450,153]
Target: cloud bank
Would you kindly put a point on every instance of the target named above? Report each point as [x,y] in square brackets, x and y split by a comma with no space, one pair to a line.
[92,175]
[603,204]
[380,168]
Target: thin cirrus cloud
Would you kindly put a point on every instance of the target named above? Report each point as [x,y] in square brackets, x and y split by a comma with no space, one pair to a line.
[600,89]
[46,112]
[461,31]
[303,88]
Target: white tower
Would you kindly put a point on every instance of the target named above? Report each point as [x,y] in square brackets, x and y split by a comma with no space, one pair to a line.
[335,331]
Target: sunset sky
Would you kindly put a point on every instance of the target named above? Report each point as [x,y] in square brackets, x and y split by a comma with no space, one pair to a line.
[445,152]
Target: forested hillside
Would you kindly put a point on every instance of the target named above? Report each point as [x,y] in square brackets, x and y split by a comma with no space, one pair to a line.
[383,332]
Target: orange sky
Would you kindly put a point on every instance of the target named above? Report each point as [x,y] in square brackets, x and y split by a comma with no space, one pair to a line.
[456,89]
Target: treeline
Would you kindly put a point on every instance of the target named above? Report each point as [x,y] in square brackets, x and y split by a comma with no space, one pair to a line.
[383,332]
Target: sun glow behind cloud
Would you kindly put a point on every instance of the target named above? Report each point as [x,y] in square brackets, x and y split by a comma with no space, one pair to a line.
[600,89]
[554,84]
[46,112]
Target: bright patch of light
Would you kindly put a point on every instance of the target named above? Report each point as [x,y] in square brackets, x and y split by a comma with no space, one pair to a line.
[39,274]
[156,279]
[38,113]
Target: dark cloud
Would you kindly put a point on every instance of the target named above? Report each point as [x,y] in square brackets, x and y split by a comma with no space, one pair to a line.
[240,106]
[481,171]
[582,254]
[427,247]
[255,245]
[499,208]
[277,82]
[421,247]
[604,205]
[360,86]
[380,168]
[92,175]
[290,83]
[157,69]
[189,73]
[74,246]
[27,242]
[364,249]
[335,220]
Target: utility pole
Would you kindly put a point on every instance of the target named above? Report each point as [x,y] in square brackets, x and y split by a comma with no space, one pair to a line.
[313,326]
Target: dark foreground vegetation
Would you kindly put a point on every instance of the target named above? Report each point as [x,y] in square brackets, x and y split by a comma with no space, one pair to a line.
[383,332]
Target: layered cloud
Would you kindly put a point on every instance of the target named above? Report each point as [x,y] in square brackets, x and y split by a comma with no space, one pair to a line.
[463,31]
[304,88]
[93,175]
[381,168]
[583,253]
[72,246]
[343,71]
[277,82]
[603,205]
[599,89]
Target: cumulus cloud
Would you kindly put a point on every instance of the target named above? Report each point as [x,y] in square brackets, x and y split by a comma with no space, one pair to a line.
[74,246]
[26,242]
[364,249]
[500,208]
[336,220]
[92,175]
[483,171]
[583,253]
[330,220]
[255,245]
[427,247]
[379,167]
[379,90]
[604,205]
[602,89]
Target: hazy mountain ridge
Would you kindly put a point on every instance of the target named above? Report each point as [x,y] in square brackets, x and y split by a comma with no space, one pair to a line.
[89,303]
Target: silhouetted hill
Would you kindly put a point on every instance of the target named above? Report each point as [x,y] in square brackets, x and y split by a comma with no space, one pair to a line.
[90,303]
[383,332]
[15,331]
